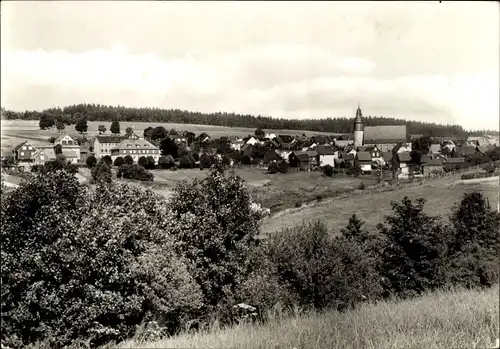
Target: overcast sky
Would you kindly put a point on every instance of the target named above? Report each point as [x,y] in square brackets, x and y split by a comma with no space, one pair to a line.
[415,60]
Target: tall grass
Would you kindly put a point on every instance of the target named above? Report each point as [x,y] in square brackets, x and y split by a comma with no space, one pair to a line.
[456,318]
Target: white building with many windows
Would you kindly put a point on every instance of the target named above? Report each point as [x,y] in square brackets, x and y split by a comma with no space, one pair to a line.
[135,147]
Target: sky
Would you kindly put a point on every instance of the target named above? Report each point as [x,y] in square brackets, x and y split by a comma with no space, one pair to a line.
[425,61]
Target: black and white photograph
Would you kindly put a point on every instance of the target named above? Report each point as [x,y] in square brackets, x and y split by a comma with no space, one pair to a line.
[250,174]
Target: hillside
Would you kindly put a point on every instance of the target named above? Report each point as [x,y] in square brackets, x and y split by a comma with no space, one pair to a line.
[452,319]
[97,112]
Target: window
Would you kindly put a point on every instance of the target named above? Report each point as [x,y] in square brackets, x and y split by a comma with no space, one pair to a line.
[30,148]
[22,153]
[42,157]
[24,147]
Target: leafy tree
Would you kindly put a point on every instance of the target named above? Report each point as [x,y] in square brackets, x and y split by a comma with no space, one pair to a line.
[159,133]
[142,161]
[148,132]
[190,137]
[91,161]
[422,145]
[169,147]
[186,162]
[151,163]
[136,172]
[108,160]
[81,125]
[129,131]
[354,171]
[283,166]
[412,258]
[245,160]
[73,269]
[172,132]
[82,140]
[259,132]
[101,129]
[205,161]
[416,157]
[52,139]
[328,170]
[115,127]
[60,126]
[226,160]
[58,149]
[166,162]
[9,161]
[46,121]
[217,240]
[129,160]
[102,172]
[119,161]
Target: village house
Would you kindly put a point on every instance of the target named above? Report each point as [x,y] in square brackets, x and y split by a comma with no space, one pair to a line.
[364,160]
[387,157]
[271,156]
[376,155]
[432,166]
[236,144]
[24,152]
[464,151]
[435,149]
[104,143]
[286,141]
[404,161]
[348,159]
[42,155]
[455,161]
[270,136]
[326,155]
[300,160]
[135,147]
[70,148]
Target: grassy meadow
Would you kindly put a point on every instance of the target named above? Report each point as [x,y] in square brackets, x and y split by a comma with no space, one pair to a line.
[371,208]
[455,318]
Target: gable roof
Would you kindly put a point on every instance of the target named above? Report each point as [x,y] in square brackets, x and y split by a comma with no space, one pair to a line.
[324,150]
[433,162]
[348,156]
[364,156]
[404,156]
[135,143]
[284,139]
[384,134]
[425,158]
[48,151]
[435,148]
[302,157]
[465,151]
[16,148]
[110,138]
[455,160]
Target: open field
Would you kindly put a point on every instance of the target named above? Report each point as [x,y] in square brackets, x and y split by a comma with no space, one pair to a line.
[442,319]
[17,131]
[372,207]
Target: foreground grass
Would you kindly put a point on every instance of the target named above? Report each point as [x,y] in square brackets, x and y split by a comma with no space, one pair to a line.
[451,319]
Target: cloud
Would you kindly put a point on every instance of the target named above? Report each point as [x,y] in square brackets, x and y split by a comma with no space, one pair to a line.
[280,80]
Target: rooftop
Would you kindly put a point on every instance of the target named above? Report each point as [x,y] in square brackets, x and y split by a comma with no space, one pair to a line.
[384,134]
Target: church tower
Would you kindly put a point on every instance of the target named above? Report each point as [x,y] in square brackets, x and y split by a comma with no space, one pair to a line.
[358,128]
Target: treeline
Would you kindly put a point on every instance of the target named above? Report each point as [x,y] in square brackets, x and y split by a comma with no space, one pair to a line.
[96,265]
[97,112]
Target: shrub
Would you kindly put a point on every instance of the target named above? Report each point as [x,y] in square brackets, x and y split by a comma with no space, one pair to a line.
[216,230]
[245,160]
[283,167]
[412,258]
[166,162]
[205,161]
[52,139]
[318,271]
[142,161]
[134,171]
[354,230]
[273,168]
[107,159]
[151,163]
[186,162]
[354,171]
[361,186]
[77,264]
[58,164]
[102,172]
[129,160]
[328,170]
[91,161]
[119,161]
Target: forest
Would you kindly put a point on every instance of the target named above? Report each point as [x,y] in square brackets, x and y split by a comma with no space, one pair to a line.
[96,112]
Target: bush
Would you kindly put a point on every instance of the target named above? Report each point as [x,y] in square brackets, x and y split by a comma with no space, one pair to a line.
[142,161]
[79,264]
[354,171]
[107,159]
[414,251]
[245,160]
[119,161]
[361,186]
[129,160]
[315,270]
[205,161]
[134,171]
[186,162]
[58,164]
[91,161]
[151,163]
[328,170]
[166,162]
[102,172]
[273,168]
[283,167]
[52,139]
[216,230]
